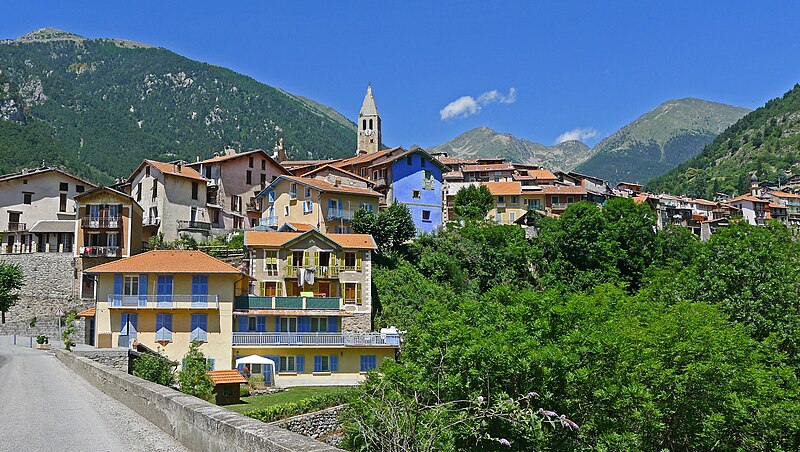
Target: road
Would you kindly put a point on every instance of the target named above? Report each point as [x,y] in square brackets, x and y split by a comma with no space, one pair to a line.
[44,406]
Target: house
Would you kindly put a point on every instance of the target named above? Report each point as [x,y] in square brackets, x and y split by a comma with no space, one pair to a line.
[326,199]
[38,210]
[173,198]
[512,202]
[233,182]
[753,210]
[791,201]
[109,227]
[558,197]
[166,299]
[631,188]
[310,308]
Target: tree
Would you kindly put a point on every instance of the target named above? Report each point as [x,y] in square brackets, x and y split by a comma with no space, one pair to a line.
[11,281]
[193,377]
[155,367]
[473,202]
[69,330]
[390,228]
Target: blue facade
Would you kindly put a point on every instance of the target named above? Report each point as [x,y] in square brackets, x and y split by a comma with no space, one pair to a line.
[417,183]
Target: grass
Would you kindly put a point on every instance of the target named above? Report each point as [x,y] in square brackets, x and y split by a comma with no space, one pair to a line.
[290,395]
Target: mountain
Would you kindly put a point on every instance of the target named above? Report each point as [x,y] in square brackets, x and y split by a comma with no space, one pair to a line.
[659,140]
[765,142]
[485,142]
[106,104]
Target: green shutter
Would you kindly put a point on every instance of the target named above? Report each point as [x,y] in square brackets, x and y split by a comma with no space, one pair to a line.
[316,258]
[279,290]
[358,293]
[263,287]
[306,259]
[358,261]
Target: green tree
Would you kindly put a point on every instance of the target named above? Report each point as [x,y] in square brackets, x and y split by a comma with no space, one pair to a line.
[69,330]
[390,228]
[193,377]
[155,367]
[11,281]
[473,202]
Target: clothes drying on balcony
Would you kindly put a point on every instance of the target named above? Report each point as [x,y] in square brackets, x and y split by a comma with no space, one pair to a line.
[305,276]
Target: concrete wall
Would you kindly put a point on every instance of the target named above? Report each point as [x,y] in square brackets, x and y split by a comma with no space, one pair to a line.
[197,424]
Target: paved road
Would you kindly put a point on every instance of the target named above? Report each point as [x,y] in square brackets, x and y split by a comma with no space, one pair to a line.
[44,406]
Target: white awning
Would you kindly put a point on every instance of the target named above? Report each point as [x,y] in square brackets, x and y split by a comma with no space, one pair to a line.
[254,359]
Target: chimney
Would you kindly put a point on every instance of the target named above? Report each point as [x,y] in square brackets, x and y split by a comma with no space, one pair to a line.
[280,152]
[216,154]
[180,166]
[337,182]
[197,158]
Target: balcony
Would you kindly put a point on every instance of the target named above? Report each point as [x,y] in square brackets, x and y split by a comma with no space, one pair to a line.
[193,225]
[151,221]
[100,251]
[257,302]
[559,206]
[15,226]
[269,221]
[427,184]
[316,339]
[253,207]
[174,301]
[324,272]
[339,214]
[101,222]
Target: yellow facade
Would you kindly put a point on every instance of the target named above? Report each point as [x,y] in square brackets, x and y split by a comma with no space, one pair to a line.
[509,208]
[349,361]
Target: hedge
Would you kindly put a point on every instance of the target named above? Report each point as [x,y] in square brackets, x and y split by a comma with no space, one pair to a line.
[284,410]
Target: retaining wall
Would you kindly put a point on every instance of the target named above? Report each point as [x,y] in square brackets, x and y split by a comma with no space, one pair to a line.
[197,424]
[319,424]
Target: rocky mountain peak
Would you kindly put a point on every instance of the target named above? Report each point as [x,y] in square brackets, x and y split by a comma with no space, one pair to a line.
[49,34]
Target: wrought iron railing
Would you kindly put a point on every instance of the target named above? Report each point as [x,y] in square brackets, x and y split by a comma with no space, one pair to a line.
[330,339]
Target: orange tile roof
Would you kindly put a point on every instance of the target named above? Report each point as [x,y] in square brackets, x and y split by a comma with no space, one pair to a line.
[542,174]
[704,202]
[783,194]
[488,167]
[226,377]
[302,227]
[87,313]
[563,189]
[172,169]
[748,198]
[772,205]
[504,188]
[455,161]
[324,186]
[346,173]
[639,199]
[167,261]
[223,158]
[364,158]
[276,239]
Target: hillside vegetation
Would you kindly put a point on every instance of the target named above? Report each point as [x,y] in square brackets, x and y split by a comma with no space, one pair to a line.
[765,142]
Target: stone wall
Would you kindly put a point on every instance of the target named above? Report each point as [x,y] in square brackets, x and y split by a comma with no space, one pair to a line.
[359,323]
[50,283]
[323,424]
[197,424]
[111,357]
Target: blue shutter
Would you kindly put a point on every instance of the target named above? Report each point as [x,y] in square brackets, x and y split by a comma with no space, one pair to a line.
[123,330]
[330,206]
[159,325]
[304,324]
[334,363]
[277,361]
[211,363]
[117,298]
[333,327]
[266,372]
[142,290]
[133,326]
[240,367]
[373,361]
[339,213]
[261,323]
[299,363]
[362,367]
[317,364]
[277,324]
[242,323]
[200,289]
[199,328]
[164,290]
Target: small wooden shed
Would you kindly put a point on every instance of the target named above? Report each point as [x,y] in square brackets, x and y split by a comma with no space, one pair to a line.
[226,385]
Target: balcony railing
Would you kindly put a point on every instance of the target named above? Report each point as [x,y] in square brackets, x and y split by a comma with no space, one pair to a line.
[174,301]
[200,225]
[269,221]
[290,271]
[15,226]
[258,302]
[100,222]
[339,214]
[99,251]
[329,339]
[427,184]
[151,221]
[559,206]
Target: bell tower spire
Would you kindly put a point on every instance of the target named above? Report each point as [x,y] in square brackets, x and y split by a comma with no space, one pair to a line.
[369,125]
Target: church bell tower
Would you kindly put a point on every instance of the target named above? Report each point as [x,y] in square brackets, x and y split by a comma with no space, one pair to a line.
[369,126]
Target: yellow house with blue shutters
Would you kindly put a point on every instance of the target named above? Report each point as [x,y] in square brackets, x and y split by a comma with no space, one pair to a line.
[165,299]
[309,308]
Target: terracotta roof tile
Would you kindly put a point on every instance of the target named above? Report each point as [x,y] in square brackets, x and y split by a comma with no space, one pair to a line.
[563,189]
[226,376]
[167,261]
[364,158]
[542,174]
[223,158]
[488,167]
[301,227]
[172,170]
[748,198]
[276,239]
[783,194]
[87,313]
[334,168]
[504,188]
[324,186]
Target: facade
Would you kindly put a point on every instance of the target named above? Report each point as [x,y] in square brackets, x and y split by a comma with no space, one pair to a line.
[558,197]
[753,210]
[791,201]
[511,202]
[37,210]
[310,307]
[173,198]
[166,299]
[234,181]
[326,200]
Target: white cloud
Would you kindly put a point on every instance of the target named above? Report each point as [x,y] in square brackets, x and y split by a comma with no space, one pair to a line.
[586,133]
[467,105]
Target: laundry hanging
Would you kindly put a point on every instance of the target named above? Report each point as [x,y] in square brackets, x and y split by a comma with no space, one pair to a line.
[310,275]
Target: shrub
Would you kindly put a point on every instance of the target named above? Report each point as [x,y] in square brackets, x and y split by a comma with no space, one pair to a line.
[156,368]
[256,382]
[193,377]
[244,391]
[284,410]
[42,339]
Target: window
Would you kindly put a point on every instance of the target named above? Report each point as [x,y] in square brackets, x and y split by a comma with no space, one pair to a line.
[250,162]
[498,217]
[415,194]
[199,328]
[113,239]
[342,230]
[352,293]
[297,258]
[249,175]
[370,123]
[62,202]
[263,165]
[236,203]
[365,206]
[512,216]
[350,261]
[514,200]
[163,327]
[63,186]
[501,200]
[426,215]
[79,188]
[427,180]
[408,160]
[27,197]
[130,285]
[271,288]
[271,263]
[288,324]
[195,189]
[251,323]
[293,191]
[308,206]
[155,189]
[147,171]
[368,362]
[321,364]
[164,289]
[287,364]
[308,192]
[319,324]
[364,172]
[554,199]
[285,211]
[139,191]
[570,200]
[263,180]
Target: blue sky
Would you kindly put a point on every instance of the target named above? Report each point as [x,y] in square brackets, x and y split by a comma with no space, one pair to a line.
[543,68]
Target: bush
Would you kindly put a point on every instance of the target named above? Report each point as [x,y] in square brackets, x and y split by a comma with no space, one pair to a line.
[256,382]
[156,368]
[42,339]
[193,377]
[320,402]
[244,391]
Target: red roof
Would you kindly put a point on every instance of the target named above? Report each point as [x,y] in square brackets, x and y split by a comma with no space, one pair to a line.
[504,188]
[563,190]
[226,377]
[167,261]
[322,185]
[87,313]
